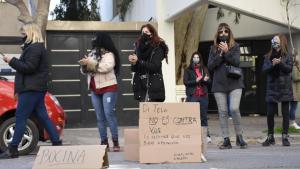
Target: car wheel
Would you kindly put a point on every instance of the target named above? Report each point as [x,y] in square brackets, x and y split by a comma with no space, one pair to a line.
[30,138]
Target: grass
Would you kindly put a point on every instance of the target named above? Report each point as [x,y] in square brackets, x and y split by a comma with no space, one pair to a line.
[278,130]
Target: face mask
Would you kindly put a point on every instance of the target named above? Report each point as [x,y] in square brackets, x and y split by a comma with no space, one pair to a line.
[223,38]
[23,39]
[275,43]
[196,60]
[145,36]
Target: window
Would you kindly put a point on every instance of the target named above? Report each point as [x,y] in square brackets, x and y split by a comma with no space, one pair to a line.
[2,1]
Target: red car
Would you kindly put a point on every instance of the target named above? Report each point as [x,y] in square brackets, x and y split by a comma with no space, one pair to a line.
[34,131]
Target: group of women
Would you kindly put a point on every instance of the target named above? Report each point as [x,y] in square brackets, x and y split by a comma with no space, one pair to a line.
[102,65]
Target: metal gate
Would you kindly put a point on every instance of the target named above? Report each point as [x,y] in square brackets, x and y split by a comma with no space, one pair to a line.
[69,85]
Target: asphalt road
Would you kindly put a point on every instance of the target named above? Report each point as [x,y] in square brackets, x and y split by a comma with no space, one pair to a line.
[255,157]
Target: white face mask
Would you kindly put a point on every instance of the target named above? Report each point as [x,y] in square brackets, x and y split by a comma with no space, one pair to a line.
[196,60]
[275,43]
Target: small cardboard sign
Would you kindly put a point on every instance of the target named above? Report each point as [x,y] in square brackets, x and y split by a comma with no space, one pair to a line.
[71,157]
[170,132]
[131,147]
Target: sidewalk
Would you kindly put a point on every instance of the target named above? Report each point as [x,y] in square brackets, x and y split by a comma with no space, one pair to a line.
[253,132]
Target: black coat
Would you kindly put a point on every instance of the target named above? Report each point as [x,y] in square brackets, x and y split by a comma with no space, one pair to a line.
[149,67]
[217,64]
[279,81]
[189,80]
[32,69]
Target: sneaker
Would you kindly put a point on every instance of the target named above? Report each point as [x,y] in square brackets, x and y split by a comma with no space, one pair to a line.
[295,125]
[208,140]
[230,118]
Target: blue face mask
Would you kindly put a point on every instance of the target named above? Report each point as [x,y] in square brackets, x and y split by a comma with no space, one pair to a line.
[275,43]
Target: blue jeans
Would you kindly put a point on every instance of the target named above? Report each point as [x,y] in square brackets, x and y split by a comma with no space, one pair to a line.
[203,101]
[104,105]
[28,103]
[293,108]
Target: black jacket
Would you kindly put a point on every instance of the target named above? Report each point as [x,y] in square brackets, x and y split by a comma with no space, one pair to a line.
[217,64]
[279,81]
[189,80]
[149,68]
[32,69]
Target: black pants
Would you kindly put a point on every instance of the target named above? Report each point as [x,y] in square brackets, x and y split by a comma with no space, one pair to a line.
[272,109]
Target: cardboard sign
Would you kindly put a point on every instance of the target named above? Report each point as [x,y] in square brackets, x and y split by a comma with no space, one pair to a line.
[170,132]
[71,157]
[131,147]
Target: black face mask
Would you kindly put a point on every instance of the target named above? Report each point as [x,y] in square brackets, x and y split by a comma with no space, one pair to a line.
[145,37]
[23,39]
[224,39]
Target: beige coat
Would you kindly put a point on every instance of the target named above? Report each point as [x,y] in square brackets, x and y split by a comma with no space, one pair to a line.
[105,75]
[296,82]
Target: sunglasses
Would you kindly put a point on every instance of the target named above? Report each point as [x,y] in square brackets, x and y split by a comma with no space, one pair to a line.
[225,31]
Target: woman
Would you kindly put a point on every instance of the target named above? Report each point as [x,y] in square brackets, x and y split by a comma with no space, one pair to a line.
[296,92]
[148,84]
[196,78]
[30,87]
[101,67]
[278,66]
[225,52]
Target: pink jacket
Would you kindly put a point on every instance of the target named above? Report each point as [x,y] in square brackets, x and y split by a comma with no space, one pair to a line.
[105,75]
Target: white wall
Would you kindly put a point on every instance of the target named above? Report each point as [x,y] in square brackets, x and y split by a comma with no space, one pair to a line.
[141,10]
[9,24]
[248,27]
[166,31]
[174,8]
[271,10]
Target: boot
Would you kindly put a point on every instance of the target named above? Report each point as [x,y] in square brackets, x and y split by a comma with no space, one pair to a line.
[285,141]
[116,147]
[226,144]
[11,152]
[269,141]
[105,142]
[240,142]
[57,143]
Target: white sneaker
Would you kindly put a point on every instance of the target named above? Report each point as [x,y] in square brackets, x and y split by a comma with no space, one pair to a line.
[208,139]
[295,125]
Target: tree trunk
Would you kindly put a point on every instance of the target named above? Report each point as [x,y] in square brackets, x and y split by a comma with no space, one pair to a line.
[188,29]
[41,17]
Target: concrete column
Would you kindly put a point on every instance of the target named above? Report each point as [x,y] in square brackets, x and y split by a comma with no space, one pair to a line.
[106,10]
[296,39]
[166,31]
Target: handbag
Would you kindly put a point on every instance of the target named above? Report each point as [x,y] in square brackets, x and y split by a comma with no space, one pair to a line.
[233,72]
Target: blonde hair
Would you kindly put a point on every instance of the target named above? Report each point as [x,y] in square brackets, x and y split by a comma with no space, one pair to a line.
[33,32]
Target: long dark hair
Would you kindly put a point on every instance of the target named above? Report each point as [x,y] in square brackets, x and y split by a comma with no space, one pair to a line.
[103,40]
[155,39]
[283,46]
[231,42]
[200,62]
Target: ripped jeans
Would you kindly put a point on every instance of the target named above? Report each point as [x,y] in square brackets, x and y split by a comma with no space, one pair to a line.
[104,105]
